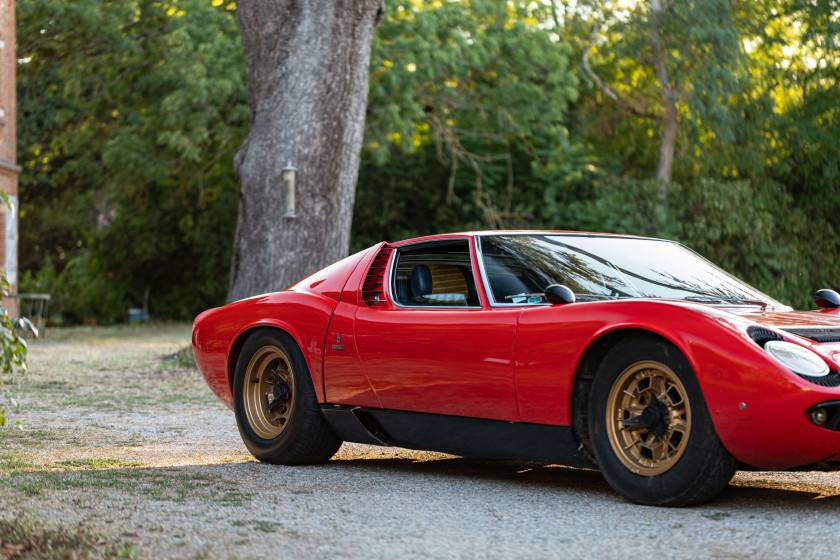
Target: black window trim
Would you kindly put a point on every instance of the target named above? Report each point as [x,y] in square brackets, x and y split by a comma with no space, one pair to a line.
[392,282]
[485,280]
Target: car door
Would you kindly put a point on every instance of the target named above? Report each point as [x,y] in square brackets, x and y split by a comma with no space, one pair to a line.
[433,345]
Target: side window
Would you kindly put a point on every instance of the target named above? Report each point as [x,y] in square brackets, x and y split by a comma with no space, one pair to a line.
[438,275]
[510,279]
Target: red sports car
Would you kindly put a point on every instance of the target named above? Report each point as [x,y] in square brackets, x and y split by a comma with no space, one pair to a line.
[631,353]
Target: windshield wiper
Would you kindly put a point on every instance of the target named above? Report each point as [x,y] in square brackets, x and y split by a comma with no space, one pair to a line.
[715,299]
[592,297]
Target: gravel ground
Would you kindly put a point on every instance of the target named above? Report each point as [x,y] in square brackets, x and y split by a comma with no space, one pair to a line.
[125,443]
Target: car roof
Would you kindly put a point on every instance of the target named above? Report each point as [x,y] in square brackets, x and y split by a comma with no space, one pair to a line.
[467,234]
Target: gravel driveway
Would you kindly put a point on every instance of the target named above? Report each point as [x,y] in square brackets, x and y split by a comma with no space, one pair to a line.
[125,442]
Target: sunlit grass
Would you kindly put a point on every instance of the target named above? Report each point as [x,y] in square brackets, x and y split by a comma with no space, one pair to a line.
[100,463]
[28,538]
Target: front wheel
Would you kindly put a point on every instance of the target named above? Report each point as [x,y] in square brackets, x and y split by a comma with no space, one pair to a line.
[275,404]
[650,429]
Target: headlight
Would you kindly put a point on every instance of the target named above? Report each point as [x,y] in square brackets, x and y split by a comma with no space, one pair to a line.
[797,359]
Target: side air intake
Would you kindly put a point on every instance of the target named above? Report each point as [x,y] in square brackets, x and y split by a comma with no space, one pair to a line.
[373,292]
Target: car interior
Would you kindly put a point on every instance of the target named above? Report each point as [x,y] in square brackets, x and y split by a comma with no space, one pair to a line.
[439,275]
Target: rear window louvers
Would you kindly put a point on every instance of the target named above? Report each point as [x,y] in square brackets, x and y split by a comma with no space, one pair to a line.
[373,292]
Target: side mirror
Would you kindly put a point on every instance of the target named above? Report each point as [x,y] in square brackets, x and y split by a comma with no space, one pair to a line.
[558,294]
[827,299]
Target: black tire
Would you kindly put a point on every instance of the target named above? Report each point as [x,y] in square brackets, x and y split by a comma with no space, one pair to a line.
[658,445]
[293,432]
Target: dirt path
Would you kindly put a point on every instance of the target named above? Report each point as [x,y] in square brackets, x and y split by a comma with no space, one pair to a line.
[128,445]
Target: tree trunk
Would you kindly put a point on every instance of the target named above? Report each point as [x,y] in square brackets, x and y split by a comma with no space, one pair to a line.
[667,144]
[307,70]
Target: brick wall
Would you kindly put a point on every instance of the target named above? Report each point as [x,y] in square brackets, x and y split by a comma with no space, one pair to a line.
[8,136]
[7,82]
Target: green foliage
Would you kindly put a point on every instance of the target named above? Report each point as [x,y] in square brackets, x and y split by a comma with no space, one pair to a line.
[389,205]
[131,113]
[605,202]
[480,115]
[13,358]
[12,345]
[807,130]
[488,87]
[702,59]
[751,229]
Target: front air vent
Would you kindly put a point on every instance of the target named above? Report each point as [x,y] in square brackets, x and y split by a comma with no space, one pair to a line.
[817,335]
[761,335]
[373,290]
[830,380]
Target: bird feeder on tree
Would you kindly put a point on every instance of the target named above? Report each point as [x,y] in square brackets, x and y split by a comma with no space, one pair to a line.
[289,184]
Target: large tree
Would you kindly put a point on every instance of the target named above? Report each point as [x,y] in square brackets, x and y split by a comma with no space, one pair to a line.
[307,65]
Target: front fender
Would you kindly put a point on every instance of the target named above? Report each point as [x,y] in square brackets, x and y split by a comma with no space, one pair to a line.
[757,406]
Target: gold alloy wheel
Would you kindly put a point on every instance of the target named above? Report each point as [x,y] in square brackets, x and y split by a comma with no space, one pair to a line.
[268,391]
[648,418]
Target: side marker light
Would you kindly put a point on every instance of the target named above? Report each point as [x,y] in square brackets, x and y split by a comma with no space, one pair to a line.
[819,416]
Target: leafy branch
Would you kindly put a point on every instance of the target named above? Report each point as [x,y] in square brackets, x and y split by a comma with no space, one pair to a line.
[12,347]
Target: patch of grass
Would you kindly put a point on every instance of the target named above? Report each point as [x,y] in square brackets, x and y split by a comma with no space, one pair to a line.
[230,498]
[133,441]
[256,525]
[30,539]
[182,398]
[131,400]
[100,463]
[15,462]
[27,437]
[138,392]
[35,486]
[266,526]
[157,331]
[105,477]
[55,386]
[716,515]
[106,401]
[182,359]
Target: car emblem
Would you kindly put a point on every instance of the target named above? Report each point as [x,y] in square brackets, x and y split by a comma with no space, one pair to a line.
[338,346]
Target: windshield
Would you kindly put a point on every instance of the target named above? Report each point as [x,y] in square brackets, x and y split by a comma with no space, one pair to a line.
[518,268]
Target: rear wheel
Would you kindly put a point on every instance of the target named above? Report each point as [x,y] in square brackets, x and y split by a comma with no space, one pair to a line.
[650,429]
[275,404]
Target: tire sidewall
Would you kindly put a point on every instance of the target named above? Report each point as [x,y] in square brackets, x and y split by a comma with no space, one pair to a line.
[674,485]
[259,447]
